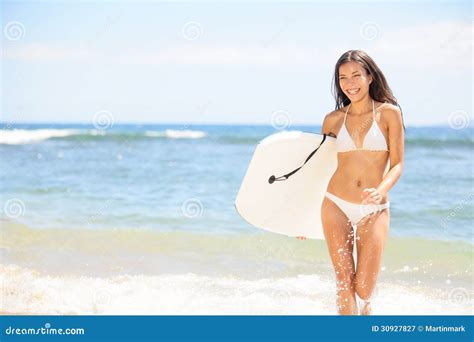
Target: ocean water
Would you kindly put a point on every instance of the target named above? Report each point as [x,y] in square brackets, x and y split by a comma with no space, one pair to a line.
[140,219]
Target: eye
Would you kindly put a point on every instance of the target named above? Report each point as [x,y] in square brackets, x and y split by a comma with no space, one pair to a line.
[356,75]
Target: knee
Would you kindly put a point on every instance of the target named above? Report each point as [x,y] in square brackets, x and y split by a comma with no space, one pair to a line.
[362,289]
[362,292]
[345,282]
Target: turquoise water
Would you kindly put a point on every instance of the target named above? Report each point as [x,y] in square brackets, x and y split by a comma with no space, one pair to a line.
[155,204]
[149,176]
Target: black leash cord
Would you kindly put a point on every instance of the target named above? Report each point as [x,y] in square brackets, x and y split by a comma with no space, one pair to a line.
[285,177]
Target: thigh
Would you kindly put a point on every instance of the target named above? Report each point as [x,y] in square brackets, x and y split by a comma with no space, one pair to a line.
[339,238]
[371,236]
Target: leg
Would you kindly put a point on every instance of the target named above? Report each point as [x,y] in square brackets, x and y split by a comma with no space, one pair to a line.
[371,237]
[338,234]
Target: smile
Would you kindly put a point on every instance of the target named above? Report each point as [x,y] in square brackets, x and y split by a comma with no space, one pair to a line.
[353,91]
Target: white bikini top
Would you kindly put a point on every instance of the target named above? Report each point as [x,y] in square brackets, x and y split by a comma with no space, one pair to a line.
[373,141]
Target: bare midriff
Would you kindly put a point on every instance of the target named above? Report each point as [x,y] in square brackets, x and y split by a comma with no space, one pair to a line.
[357,170]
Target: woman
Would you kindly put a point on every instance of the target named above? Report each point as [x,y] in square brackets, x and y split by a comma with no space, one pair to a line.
[369,129]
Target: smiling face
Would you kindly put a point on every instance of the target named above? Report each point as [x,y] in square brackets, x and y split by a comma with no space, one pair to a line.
[354,80]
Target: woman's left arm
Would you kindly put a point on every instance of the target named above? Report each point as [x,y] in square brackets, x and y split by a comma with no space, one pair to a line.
[396,146]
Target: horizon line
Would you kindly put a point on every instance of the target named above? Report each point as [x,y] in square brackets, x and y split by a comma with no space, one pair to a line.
[89,123]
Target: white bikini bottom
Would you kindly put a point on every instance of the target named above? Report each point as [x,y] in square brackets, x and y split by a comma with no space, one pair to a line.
[356,212]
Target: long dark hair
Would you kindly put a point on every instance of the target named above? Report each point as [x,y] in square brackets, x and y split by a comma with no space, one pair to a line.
[378,88]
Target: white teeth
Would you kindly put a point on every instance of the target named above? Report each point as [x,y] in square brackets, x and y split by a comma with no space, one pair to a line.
[353,91]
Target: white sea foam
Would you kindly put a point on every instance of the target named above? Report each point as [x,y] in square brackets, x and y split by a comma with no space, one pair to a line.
[27,136]
[27,291]
[95,132]
[177,134]
[24,136]
[406,269]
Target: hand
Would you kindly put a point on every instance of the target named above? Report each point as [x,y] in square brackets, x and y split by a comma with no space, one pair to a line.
[371,196]
[301,238]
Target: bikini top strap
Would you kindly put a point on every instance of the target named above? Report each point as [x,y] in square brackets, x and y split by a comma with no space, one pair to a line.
[380,106]
[346,112]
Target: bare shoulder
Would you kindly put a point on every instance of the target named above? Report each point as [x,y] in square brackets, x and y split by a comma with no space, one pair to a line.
[390,113]
[331,121]
[335,115]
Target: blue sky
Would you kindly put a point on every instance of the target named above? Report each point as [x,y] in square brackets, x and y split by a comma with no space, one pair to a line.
[226,61]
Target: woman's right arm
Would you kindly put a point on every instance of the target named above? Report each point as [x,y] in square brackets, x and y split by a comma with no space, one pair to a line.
[328,124]
[325,129]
